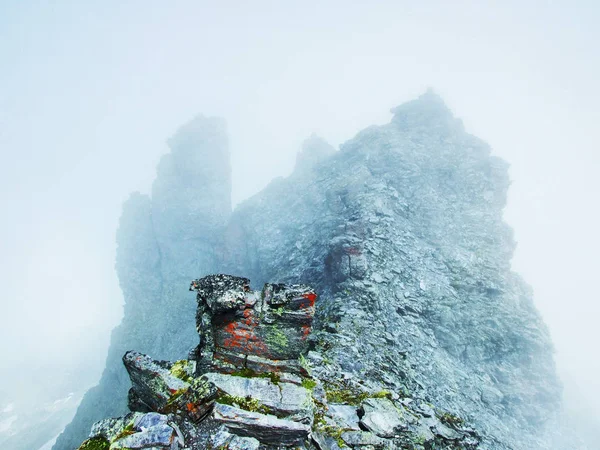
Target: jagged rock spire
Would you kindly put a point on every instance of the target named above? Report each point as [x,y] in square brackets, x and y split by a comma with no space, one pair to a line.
[314,149]
[191,195]
[428,110]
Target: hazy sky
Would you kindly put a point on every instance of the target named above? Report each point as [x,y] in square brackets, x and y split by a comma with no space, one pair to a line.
[90,91]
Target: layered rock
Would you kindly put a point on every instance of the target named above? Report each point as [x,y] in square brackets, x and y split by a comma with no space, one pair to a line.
[175,405]
[401,233]
[264,331]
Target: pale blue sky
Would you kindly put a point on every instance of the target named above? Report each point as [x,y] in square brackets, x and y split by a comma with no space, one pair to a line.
[90,91]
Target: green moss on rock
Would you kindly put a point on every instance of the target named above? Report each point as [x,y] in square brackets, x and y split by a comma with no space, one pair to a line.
[247,403]
[95,443]
[127,431]
[451,419]
[351,395]
[277,338]
[181,370]
[249,373]
[308,383]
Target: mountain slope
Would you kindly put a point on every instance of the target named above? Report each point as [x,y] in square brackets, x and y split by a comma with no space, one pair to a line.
[401,233]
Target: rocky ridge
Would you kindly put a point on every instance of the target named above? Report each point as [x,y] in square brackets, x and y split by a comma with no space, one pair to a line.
[252,400]
[401,234]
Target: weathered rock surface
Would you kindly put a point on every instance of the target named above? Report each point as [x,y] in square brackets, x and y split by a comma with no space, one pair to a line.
[157,436]
[325,442]
[153,383]
[383,418]
[224,439]
[364,438]
[167,387]
[344,416]
[281,399]
[401,234]
[264,409]
[135,431]
[235,323]
[266,428]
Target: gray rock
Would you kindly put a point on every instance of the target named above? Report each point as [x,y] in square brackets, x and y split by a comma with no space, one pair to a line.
[324,441]
[363,438]
[225,439]
[157,436]
[383,418]
[416,205]
[314,150]
[153,384]
[290,378]
[282,398]
[167,387]
[446,432]
[344,416]
[149,420]
[267,429]
[109,428]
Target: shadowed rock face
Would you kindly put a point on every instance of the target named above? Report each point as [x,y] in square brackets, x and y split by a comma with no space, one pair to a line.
[264,330]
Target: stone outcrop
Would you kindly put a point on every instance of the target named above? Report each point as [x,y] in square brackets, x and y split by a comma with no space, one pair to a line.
[401,234]
[262,330]
[166,387]
[177,404]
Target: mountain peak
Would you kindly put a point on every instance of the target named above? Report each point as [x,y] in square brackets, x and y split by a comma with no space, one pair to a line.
[314,149]
[428,110]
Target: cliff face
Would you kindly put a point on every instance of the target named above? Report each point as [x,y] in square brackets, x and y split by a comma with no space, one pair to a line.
[161,241]
[400,232]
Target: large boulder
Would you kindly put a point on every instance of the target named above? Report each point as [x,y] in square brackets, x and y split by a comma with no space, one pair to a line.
[167,387]
[282,399]
[239,328]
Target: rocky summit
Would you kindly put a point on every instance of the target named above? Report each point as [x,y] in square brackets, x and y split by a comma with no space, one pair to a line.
[421,335]
[254,384]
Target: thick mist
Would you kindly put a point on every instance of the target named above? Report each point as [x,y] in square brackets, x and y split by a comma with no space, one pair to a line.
[90,91]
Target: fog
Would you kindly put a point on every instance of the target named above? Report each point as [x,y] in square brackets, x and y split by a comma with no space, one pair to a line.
[90,91]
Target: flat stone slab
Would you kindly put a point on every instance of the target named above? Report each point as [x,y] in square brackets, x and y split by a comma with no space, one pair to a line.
[149,420]
[224,439]
[383,418]
[344,416]
[281,398]
[364,438]
[266,428]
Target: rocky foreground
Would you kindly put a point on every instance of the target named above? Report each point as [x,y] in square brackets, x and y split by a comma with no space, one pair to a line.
[252,383]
